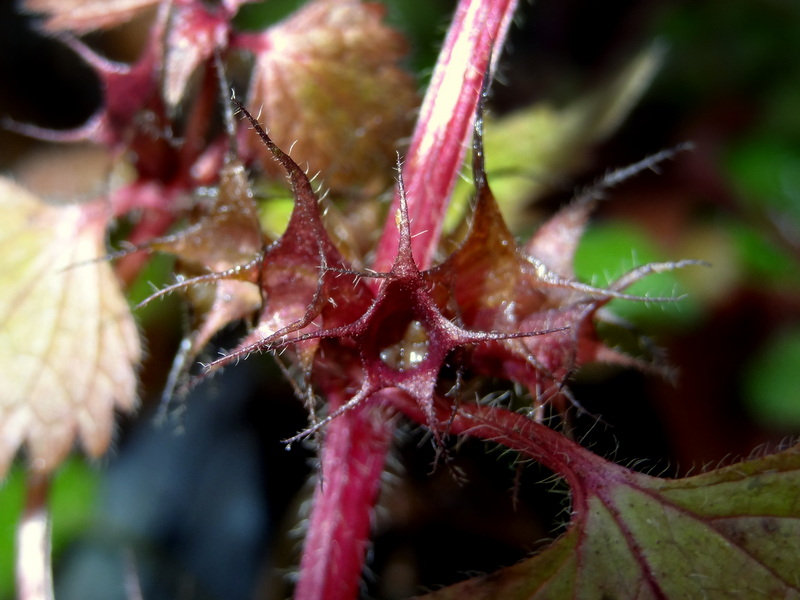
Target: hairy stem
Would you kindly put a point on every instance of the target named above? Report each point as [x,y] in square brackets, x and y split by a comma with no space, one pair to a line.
[517,432]
[356,442]
[353,458]
[442,133]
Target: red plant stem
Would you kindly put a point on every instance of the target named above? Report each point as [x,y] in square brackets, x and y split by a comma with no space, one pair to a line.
[517,432]
[33,570]
[353,458]
[356,443]
[445,126]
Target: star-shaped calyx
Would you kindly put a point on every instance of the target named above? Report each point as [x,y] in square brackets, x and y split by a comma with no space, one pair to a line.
[490,296]
[399,338]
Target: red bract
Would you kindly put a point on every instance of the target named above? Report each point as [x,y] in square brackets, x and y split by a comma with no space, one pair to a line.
[363,334]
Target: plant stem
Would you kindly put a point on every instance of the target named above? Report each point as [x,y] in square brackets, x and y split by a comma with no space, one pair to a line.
[33,570]
[356,443]
[445,125]
[353,458]
[517,432]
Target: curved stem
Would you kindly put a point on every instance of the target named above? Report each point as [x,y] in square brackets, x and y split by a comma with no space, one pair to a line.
[517,432]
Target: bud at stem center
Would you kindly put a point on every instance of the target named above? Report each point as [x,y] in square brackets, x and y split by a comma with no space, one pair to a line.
[408,352]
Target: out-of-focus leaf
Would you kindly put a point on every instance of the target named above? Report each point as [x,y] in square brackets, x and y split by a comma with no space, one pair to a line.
[257,16]
[274,215]
[127,88]
[767,172]
[219,279]
[772,388]
[532,150]
[158,272]
[730,533]
[68,343]
[760,258]
[193,36]
[12,494]
[329,80]
[714,245]
[83,16]
[231,216]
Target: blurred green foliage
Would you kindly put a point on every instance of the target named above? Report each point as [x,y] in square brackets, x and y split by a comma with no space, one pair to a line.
[157,273]
[760,260]
[765,170]
[771,384]
[608,250]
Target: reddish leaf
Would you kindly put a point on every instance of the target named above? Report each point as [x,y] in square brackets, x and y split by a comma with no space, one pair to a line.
[127,88]
[219,279]
[489,284]
[194,34]
[303,275]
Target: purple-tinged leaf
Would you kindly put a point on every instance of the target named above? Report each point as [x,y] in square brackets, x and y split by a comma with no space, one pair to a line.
[729,533]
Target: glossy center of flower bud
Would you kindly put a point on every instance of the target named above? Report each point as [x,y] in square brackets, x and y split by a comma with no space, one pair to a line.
[408,352]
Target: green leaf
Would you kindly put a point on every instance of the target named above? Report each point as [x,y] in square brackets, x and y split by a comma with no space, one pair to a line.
[761,260]
[766,171]
[729,533]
